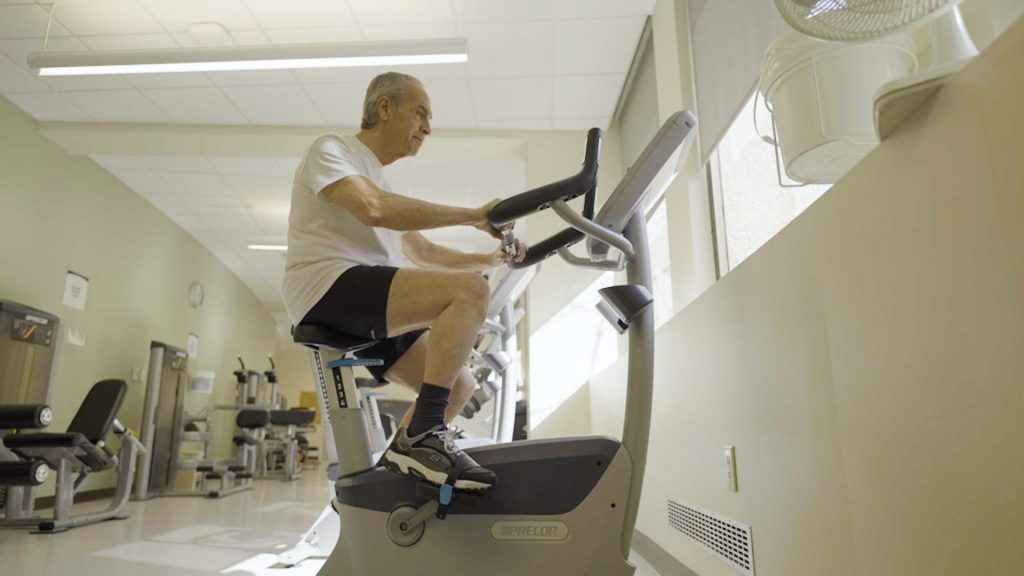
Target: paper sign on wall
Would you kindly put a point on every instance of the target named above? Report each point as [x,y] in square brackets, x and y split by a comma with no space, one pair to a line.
[202,382]
[193,345]
[76,288]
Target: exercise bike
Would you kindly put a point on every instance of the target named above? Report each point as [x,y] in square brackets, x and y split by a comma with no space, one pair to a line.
[566,505]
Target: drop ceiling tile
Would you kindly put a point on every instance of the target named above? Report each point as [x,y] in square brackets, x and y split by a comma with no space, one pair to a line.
[105,17]
[185,40]
[581,123]
[574,9]
[252,78]
[300,13]
[270,207]
[509,50]
[114,162]
[196,106]
[252,187]
[195,184]
[593,96]
[232,224]
[275,105]
[169,204]
[145,182]
[196,164]
[504,99]
[373,12]
[596,46]
[176,15]
[314,35]
[129,42]
[361,75]
[255,37]
[189,221]
[14,78]
[169,80]
[117,106]
[410,31]
[534,124]
[215,205]
[243,166]
[273,225]
[49,107]
[28,20]
[451,103]
[86,83]
[339,104]
[503,10]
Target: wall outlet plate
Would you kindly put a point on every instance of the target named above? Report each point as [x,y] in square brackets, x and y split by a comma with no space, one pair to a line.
[731,481]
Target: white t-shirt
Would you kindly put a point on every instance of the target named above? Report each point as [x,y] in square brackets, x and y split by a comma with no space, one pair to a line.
[325,239]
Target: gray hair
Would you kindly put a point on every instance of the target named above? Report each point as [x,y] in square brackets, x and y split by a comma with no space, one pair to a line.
[390,85]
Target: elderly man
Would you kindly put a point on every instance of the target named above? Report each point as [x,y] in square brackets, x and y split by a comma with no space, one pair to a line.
[348,239]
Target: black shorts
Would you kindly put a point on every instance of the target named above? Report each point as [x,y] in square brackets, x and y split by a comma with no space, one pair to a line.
[357,304]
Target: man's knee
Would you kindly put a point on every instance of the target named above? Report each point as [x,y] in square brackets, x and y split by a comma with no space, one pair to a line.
[475,291]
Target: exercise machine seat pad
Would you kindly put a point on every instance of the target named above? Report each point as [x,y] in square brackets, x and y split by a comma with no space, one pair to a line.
[251,418]
[291,417]
[315,335]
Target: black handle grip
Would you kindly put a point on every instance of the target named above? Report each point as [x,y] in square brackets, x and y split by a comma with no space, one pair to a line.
[25,416]
[540,198]
[545,248]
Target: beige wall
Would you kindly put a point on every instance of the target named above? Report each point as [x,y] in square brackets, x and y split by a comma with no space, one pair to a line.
[63,212]
[866,362]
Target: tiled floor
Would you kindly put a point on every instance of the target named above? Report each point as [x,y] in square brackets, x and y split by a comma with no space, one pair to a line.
[183,536]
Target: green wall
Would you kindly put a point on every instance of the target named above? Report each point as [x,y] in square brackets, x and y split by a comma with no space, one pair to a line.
[60,212]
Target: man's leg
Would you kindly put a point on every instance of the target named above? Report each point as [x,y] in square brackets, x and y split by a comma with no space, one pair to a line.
[408,371]
[453,305]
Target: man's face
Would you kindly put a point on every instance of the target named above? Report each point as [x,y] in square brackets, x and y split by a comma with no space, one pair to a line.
[409,124]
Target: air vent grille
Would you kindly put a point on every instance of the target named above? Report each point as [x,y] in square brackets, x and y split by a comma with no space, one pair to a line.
[729,540]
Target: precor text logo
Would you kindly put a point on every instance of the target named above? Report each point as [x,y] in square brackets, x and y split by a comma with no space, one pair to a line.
[530,531]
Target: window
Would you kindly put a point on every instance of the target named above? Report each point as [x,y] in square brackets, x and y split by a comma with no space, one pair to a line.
[751,205]
[661,270]
[568,350]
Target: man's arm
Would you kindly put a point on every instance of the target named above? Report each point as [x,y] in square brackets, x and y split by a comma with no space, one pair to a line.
[428,255]
[379,208]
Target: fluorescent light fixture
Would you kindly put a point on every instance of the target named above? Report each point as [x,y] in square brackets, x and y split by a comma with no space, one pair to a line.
[224,58]
[271,247]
